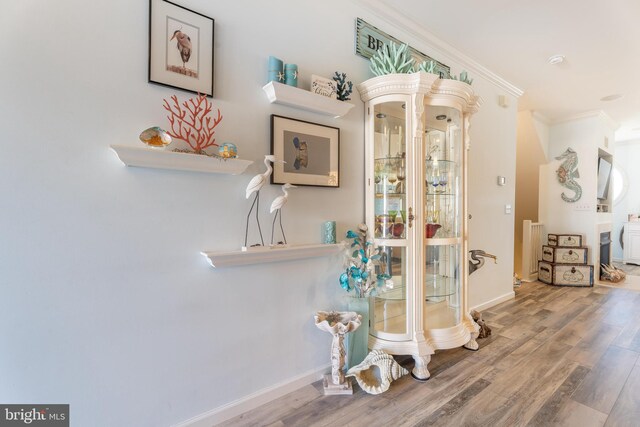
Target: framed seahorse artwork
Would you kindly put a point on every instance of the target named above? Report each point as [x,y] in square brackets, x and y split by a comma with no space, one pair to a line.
[567,174]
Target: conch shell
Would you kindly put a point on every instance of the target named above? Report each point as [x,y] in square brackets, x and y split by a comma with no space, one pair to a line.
[376,372]
[611,273]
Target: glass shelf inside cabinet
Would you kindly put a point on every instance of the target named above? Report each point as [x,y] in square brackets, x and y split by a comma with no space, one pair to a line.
[390,303]
[396,293]
[429,194]
[390,198]
[389,175]
[441,177]
[441,271]
[390,315]
[393,265]
[439,286]
[443,201]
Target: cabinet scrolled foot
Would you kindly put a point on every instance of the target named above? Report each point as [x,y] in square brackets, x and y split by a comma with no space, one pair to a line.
[420,371]
[415,376]
[472,345]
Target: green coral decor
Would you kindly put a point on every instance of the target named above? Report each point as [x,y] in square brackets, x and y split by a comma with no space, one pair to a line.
[463,78]
[392,59]
[395,59]
[428,67]
[344,88]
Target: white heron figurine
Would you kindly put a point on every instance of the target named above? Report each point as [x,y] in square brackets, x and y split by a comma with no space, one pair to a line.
[276,206]
[255,185]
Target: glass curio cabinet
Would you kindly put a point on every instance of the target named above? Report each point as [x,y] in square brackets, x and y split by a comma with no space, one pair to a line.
[416,153]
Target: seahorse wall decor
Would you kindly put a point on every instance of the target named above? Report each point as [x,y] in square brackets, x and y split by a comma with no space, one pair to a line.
[567,174]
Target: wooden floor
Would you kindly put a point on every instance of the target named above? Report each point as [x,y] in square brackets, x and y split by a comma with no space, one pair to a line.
[631,269]
[557,357]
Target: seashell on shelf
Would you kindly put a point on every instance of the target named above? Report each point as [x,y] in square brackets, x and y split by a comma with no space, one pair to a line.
[155,137]
[376,372]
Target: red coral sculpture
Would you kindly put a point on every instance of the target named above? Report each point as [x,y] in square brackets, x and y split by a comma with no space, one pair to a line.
[191,123]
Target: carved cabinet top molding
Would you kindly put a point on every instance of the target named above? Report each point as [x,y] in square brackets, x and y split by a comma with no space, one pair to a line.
[444,90]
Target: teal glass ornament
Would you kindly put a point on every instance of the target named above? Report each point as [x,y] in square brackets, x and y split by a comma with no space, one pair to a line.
[344,281]
[329,232]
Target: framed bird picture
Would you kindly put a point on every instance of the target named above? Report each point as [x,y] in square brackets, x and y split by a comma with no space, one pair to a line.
[310,152]
[180,47]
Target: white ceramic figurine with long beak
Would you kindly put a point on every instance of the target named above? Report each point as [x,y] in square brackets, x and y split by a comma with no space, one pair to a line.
[276,206]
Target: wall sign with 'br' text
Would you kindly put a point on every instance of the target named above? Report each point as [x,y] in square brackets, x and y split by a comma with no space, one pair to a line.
[369,39]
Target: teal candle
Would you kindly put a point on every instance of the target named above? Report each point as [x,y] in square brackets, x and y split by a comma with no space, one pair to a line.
[329,232]
[291,74]
[275,70]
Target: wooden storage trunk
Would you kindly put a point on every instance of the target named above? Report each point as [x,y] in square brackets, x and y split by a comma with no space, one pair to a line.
[565,274]
[565,255]
[565,240]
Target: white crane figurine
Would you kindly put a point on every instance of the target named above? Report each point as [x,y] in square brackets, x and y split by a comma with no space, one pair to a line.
[255,185]
[276,206]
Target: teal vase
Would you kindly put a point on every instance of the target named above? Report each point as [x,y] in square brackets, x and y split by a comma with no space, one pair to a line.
[276,70]
[291,74]
[358,340]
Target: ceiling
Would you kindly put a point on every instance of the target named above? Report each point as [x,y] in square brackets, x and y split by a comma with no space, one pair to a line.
[514,39]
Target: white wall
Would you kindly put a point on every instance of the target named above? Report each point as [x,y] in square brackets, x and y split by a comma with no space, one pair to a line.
[627,159]
[107,303]
[541,126]
[533,141]
[585,136]
[492,154]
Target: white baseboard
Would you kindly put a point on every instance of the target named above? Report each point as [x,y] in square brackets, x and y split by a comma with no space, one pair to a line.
[495,301]
[252,401]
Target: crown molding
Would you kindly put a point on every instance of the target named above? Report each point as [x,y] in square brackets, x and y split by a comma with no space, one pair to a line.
[541,118]
[407,25]
[614,125]
[588,115]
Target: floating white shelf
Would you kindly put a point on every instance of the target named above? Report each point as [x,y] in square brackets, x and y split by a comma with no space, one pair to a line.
[263,255]
[295,97]
[165,159]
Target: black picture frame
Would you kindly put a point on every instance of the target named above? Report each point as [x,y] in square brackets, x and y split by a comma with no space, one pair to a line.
[175,34]
[311,153]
